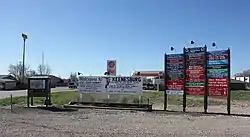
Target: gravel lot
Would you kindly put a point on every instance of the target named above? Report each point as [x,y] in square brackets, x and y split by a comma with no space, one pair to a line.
[27,122]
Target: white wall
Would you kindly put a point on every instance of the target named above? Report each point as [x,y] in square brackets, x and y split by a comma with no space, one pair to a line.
[243,79]
[158,81]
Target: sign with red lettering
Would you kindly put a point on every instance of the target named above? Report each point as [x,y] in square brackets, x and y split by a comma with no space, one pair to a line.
[195,70]
[175,74]
[217,72]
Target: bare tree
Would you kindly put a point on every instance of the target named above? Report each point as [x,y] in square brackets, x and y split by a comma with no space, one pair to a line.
[44,69]
[31,73]
[245,73]
[16,71]
[73,77]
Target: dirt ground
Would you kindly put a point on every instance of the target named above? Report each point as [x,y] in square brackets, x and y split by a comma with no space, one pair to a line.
[27,122]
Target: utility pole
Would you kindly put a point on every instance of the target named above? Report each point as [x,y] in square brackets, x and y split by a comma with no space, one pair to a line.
[43,58]
[43,67]
[24,36]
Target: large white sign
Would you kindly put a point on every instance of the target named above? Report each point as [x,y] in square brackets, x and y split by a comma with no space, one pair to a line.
[102,84]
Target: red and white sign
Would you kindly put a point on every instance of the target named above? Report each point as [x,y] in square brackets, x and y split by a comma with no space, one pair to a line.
[175,84]
[195,90]
[218,87]
[111,67]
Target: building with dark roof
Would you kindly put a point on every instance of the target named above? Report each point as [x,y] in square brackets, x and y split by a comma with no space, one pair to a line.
[7,82]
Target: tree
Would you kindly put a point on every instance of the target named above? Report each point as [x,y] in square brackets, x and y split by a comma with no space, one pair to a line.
[31,73]
[44,69]
[16,70]
[73,77]
[245,73]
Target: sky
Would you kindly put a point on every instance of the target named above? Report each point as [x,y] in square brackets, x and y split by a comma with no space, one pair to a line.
[81,35]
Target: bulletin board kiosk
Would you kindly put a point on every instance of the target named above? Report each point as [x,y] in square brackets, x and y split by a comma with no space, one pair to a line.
[39,86]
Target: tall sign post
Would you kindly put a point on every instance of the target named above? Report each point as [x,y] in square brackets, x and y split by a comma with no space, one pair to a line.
[203,73]
[195,72]
[165,81]
[206,82]
[184,103]
[218,71]
[228,82]
[174,70]
[25,37]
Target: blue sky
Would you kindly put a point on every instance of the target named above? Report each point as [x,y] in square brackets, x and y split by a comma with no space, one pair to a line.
[81,35]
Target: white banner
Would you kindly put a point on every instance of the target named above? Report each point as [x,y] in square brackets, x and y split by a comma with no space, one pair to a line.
[101,84]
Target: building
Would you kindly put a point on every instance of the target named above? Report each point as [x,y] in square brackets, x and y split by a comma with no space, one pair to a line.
[7,82]
[238,85]
[150,77]
[54,80]
[148,73]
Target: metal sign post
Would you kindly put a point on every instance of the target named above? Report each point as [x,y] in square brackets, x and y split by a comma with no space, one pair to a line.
[165,82]
[229,80]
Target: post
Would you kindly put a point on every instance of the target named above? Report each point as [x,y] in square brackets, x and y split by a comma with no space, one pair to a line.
[31,101]
[229,84]
[107,88]
[23,75]
[28,94]
[165,82]
[81,97]
[139,102]
[206,81]
[11,103]
[184,103]
[46,101]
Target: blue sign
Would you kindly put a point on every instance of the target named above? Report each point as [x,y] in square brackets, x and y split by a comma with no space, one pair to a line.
[217,62]
[219,52]
[169,56]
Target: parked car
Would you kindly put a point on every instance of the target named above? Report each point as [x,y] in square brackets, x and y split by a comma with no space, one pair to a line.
[73,85]
[148,86]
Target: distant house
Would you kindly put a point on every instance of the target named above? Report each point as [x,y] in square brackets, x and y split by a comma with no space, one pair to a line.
[7,82]
[238,85]
[54,80]
[63,83]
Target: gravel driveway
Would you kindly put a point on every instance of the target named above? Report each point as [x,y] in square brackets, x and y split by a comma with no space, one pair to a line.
[114,123]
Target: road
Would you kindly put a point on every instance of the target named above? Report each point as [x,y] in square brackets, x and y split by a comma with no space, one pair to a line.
[16,93]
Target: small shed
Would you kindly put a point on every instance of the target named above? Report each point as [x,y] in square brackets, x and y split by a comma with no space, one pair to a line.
[7,84]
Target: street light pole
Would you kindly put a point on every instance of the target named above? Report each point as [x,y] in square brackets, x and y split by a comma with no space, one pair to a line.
[24,46]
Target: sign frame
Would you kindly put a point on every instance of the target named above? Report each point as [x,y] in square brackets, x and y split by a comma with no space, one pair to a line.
[187,62]
[105,84]
[206,88]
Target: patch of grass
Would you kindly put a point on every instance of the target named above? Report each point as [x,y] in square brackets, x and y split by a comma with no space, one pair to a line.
[240,95]
[58,98]
[124,100]
[158,97]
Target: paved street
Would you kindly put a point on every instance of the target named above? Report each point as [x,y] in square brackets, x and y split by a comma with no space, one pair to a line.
[15,93]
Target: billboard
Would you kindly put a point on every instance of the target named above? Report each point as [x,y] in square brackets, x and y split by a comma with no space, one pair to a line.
[195,70]
[217,72]
[175,74]
[111,67]
[101,84]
